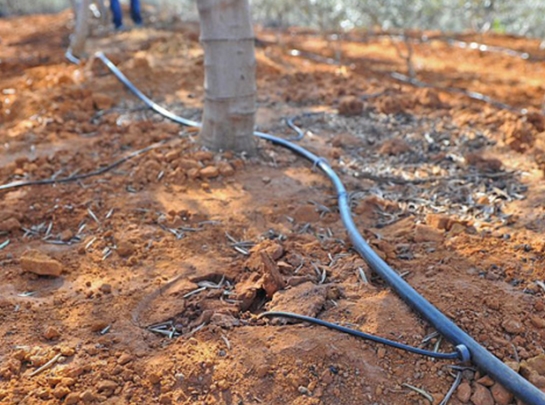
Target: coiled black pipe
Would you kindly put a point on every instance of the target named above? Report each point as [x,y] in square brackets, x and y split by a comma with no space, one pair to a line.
[458,354]
[465,344]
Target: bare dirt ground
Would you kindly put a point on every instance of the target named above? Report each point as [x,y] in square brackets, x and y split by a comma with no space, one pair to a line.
[449,190]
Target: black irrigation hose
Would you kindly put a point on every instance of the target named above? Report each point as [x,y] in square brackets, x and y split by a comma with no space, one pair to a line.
[300,132]
[363,335]
[154,106]
[468,348]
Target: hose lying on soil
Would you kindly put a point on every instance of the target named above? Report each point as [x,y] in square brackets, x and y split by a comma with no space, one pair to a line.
[454,355]
[466,347]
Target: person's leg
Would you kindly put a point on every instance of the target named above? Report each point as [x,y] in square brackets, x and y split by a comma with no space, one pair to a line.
[117,13]
[135,12]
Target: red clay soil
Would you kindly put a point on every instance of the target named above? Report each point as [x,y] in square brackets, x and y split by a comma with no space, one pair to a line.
[447,189]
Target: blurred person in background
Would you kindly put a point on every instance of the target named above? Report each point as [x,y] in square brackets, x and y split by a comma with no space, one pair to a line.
[118,14]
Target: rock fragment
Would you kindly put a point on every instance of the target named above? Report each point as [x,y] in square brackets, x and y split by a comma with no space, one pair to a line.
[39,263]
[482,396]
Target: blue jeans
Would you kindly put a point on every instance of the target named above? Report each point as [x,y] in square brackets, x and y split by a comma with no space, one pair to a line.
[118,15]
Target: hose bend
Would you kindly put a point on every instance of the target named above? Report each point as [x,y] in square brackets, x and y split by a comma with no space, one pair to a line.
[465,344]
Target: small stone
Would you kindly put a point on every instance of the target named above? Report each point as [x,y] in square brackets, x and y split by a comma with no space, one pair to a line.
[124,359]
[39,263]
[51,333]
[154,378]
[350,105]
[102,101]
[501,395]
[73,371]
[303,390]
[66,235]
[10,225]
[225,321]
[88,396]
[345,140]
[394,147]
[226,169]
[106,288]
[203,156]
[205,186]
[72,398]
[538,322]
[456,228]
[53,381]
[125,248]
[97,326]
[193,173]
[486,381]
[210,172]
[68,382]
[438,221]
[266,180]
[61,391]
[482,396]
[381,352]
[38,361]
[188,164]
[424,233]
[535,365]
[107,387]
[165,399]
[463,393]
[512,326]
[223,385]
[482,163]
[513,365]
[173,155]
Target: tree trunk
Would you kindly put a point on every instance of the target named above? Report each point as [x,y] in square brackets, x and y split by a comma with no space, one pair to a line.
[229,59]
[77,42]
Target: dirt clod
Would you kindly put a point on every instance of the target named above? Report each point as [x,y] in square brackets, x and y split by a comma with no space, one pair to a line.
[51,333]
[124,359]
[481,395]
[125,248]
[209,172]
[424,233]
[350,105]
[306,299]
[72,398]
[501,395]
[463,393]
[394,147]
[40,263]
[512,325]
[88,397]
[10,225]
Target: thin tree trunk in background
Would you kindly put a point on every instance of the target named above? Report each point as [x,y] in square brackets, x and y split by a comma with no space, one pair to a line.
[77,42]
[103,11]
[229,58]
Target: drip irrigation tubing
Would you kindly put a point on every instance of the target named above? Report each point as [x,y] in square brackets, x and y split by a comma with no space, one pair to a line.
[468,349]
[416,350]
[298,130]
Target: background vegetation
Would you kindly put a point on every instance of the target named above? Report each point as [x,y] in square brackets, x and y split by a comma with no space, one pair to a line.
[520,17]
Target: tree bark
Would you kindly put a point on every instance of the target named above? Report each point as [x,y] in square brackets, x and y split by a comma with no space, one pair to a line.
[230,90]
[77,42]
